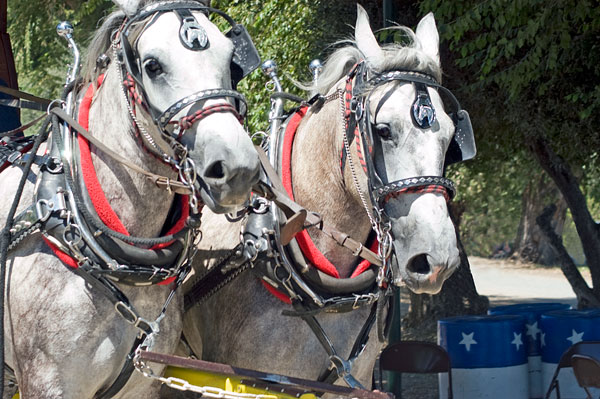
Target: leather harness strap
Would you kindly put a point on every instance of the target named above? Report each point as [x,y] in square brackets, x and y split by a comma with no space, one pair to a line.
[43,105]
[160,181]
[32,102]
[278,195]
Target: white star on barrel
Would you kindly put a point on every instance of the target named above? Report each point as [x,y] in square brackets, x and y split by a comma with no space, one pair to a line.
[467,340]
[533,330]
[576,337]
[518,341]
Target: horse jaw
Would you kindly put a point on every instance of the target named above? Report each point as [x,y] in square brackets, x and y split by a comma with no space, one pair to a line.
[425,247]
[228,163]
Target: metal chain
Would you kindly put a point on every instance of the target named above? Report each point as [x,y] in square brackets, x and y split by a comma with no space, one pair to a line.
[381,228]
[137,123]
[184,385]
[340,95]
[183,164]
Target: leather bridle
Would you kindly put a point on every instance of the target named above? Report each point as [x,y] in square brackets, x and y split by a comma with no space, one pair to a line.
[131,73]
[355,105]
[173,152]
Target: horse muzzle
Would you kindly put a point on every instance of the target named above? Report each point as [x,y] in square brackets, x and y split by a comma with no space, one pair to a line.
[424,273]
[227,183]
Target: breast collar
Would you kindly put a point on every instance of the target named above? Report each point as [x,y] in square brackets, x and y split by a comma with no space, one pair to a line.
[130,264]
[309,249]
[299,272]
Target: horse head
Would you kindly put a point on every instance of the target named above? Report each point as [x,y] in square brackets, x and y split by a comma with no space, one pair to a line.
[406,134]
[182,65]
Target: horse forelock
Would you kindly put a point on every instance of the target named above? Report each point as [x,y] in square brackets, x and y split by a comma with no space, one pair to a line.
[395,56]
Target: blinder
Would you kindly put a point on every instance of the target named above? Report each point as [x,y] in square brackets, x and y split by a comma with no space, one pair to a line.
[462,146]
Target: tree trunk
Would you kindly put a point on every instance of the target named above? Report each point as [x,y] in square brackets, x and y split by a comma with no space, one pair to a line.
[531,245]
[587,228]
[458,295]
[585,296]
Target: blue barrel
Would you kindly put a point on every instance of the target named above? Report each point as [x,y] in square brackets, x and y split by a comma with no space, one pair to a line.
[488,356]
[560,330]
[532,313]
[9,117]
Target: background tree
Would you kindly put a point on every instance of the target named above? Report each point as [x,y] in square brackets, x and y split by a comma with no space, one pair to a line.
[41,55]
[534,67]
[531,244]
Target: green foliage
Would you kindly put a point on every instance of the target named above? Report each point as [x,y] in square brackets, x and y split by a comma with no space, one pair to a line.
[278,29]
[543,58]
[291,33]
[41,56]
[493,204]
[525,68]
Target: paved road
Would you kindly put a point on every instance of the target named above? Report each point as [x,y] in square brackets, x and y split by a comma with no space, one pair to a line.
[506,282]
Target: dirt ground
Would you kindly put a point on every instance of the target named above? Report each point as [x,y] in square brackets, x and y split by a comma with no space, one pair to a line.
[504,282]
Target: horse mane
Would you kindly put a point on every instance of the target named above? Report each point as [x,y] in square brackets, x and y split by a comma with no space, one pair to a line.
[409,57]
[100,44]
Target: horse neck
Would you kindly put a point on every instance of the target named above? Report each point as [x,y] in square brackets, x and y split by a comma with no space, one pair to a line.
[319,185]
[140,205]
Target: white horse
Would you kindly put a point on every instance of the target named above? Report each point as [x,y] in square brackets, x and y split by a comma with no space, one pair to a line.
[66,336]
[242,324]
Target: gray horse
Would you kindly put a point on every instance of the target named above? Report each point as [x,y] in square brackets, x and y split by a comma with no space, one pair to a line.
[63,337]
[242,324]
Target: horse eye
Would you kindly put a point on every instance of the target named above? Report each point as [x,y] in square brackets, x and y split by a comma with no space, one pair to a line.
[383,131]
[153,68]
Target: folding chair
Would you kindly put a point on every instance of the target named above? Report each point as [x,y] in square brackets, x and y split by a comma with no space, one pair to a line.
[586,348]
[416,357]
[587,372]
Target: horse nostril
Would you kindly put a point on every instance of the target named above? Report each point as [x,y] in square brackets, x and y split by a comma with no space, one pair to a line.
[419,265]
[215,171]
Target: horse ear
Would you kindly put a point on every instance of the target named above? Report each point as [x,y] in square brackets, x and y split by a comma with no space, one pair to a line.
[129,7]
[429,38]
[365,39]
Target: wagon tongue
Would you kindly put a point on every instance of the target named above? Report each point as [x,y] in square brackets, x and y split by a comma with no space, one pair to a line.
[271,380]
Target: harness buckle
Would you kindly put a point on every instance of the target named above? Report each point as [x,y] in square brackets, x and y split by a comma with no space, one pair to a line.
[356,107]
[45,207]
[358,250]
[126,312]
[343,369]
[14,157]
